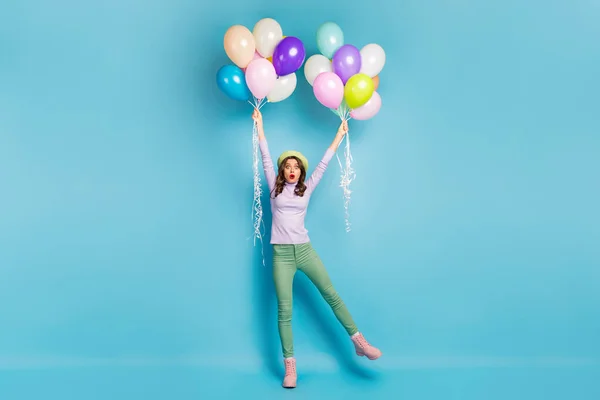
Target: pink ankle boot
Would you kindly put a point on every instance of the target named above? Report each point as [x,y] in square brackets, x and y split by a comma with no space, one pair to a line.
[289,381]
[363,348]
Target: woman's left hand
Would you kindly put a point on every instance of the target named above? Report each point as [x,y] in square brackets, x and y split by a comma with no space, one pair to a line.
[343,129]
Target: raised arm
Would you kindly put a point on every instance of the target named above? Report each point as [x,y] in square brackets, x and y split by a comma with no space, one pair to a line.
[267,161]
[316,176]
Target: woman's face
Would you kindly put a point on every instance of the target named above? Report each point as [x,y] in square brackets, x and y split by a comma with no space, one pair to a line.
[291,170]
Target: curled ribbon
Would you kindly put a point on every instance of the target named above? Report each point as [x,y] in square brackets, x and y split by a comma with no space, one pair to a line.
[257,210]
[348,174]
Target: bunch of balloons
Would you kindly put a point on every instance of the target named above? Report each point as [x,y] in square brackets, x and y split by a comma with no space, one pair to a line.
[264,63]
[344,78]
[263,70]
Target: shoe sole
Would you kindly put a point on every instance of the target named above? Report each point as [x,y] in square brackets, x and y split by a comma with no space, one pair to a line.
[370,358]
[290,386]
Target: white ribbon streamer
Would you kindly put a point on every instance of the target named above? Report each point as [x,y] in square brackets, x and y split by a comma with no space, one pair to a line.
[348,174]
[257,210]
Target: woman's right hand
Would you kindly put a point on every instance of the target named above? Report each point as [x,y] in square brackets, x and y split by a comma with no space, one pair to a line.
[257,116]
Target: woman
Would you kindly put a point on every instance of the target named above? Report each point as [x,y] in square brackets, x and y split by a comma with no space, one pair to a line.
[292,249]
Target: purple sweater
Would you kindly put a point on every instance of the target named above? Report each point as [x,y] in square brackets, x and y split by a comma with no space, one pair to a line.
[288,209]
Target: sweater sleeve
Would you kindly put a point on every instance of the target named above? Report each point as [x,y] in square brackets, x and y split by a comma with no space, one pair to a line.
[267,162]
[316,176]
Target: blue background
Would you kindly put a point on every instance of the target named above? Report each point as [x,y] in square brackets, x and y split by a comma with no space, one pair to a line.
[126,268]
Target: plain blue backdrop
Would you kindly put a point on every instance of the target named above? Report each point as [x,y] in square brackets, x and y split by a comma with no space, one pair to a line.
[127,269]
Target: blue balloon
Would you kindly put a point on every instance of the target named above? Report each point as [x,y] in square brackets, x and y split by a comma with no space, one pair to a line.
[231,80]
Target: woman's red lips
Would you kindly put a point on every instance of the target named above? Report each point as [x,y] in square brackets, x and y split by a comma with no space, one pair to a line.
[292,176]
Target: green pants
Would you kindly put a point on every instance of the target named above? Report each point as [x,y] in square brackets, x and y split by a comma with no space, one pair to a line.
[287,259]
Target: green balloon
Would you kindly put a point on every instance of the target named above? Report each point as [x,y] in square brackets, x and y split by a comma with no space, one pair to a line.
[358,90]
[329,38]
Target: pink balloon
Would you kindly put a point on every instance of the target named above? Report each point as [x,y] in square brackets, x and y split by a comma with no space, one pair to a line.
[256,57]
[367,110]
[329,89]
[260,77]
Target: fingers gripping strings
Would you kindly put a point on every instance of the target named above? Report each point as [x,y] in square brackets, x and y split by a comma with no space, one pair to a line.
[348,174]
[257,211]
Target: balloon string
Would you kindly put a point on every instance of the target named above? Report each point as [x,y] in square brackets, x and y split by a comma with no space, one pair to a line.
[257,103]
[343,111]
[257,211]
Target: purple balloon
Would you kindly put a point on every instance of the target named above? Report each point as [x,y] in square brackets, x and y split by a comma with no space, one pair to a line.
[288,56]
[346,62]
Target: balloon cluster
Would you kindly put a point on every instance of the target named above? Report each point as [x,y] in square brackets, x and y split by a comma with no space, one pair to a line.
[344,78]
[264,63]
[263,70]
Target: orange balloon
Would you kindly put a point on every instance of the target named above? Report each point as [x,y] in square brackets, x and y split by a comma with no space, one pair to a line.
[239,45]
[376,82]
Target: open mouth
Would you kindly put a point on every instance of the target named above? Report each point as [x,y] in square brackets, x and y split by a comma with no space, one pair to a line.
[292,176]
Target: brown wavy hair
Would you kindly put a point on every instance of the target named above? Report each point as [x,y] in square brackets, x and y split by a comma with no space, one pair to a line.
[280,181]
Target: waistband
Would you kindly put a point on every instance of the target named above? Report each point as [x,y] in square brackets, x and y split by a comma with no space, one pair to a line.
[290,246]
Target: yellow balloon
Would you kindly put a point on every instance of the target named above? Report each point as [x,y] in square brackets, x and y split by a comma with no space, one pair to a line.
[271,58]
[358,90]
[239,45]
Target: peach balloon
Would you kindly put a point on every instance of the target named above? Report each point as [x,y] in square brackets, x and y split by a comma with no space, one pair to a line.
[239,45]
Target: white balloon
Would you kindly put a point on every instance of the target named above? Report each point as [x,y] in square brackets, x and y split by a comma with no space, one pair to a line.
[284,87]
[372,59]
[315,65]
[267,35]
